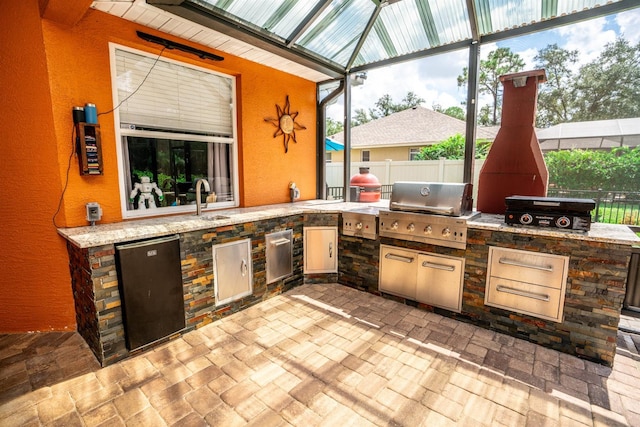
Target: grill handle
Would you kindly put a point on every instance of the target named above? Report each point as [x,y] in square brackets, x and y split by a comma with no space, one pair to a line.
[433,209]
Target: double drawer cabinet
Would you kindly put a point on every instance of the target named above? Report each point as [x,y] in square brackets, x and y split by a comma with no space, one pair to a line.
[527,282]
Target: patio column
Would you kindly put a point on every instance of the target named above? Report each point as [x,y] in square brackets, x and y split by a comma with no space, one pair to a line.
[472,108]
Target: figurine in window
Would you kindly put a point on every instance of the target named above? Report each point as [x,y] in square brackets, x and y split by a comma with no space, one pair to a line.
[145,191]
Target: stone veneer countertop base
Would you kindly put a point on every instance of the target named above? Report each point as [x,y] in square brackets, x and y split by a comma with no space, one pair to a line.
[103,234]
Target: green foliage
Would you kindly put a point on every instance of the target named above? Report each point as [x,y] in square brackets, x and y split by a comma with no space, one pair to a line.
[386,106]
[555,101]
[615,170]
[455,111]
[500,61]
[609,86]
[333,127]
[606,88]
[360,117]
[452,149]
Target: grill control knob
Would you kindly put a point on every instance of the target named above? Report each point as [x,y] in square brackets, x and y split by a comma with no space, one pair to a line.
[394,225]
[427,229]
[411,227]
[358,226]
[526,219]
[446,232]
[563,222]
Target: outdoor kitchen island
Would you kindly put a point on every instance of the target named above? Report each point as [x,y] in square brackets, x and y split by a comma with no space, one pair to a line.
[595,285]
[598,263]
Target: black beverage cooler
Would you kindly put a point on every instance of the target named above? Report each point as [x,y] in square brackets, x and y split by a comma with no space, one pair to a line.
[150,281]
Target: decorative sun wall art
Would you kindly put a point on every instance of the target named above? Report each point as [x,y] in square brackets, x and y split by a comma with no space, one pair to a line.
[286,124]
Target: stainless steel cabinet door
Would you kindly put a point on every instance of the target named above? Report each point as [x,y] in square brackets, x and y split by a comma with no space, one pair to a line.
[398,271]
[440,281]
[320,250]
[233,277]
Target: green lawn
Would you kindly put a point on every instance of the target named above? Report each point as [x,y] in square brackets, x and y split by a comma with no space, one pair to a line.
[617,215]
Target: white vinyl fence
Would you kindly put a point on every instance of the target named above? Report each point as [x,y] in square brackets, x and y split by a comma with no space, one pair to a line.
[390,171]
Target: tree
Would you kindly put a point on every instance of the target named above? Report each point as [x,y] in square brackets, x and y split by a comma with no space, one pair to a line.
[384,107]
[500,61]
[452,149]
[556,103]
[455,111]
[360,118]
[609,87]
[333,127]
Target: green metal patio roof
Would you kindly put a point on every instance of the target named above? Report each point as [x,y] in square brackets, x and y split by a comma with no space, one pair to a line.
[342,36]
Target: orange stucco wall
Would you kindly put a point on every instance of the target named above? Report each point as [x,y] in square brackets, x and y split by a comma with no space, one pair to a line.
[47,68]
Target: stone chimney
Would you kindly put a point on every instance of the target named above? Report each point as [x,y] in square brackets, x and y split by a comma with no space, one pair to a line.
[514,165]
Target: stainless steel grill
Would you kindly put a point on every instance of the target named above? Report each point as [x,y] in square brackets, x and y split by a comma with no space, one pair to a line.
[432,213]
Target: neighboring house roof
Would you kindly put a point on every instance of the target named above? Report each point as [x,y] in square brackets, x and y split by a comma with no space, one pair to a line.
[417,126]
[591,135]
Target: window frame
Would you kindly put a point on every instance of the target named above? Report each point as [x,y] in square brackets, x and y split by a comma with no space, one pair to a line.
[122,132]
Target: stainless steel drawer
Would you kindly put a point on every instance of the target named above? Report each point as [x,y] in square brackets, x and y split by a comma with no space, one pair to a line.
[526,298]
[526,266]
[527,282]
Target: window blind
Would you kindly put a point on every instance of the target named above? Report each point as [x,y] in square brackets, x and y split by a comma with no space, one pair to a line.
[173,96]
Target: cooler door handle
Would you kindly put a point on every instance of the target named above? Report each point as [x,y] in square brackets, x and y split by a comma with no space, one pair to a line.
[400,258]
[438,266]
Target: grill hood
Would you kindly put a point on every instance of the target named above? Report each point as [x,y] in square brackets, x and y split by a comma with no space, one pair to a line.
[451,199]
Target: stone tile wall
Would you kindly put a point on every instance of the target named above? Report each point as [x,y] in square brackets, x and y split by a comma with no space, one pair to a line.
[94,281]
[96,289]
[594,294]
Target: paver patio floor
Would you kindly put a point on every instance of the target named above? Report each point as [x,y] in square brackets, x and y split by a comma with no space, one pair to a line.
[319,355]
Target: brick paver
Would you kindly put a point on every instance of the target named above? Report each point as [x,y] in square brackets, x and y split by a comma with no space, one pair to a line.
[320,355]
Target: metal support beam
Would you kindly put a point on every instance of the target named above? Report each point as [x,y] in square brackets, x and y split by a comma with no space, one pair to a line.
[321,153]
[473,20]
[307,22]
[364,36]
[472,108]
[347,139]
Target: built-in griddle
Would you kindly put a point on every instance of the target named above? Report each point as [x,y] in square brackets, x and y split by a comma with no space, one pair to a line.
[554,212]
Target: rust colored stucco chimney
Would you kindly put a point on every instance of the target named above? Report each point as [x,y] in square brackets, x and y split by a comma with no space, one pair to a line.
[514,165]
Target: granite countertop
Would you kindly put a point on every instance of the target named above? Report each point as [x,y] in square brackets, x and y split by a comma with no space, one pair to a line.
[601,232]
[103,234]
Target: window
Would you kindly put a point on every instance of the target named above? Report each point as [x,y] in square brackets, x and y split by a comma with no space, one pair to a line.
[413,153]
[365,156]
[176,125]
[328,157]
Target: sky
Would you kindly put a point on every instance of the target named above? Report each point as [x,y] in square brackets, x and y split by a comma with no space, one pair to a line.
[435,78]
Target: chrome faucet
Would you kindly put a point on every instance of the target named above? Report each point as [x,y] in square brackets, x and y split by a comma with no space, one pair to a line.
[198,198]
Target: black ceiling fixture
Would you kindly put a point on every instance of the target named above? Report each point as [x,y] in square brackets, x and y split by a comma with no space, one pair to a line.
[174,45]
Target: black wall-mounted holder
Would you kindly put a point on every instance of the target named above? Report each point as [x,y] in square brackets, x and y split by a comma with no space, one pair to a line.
[174,45]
